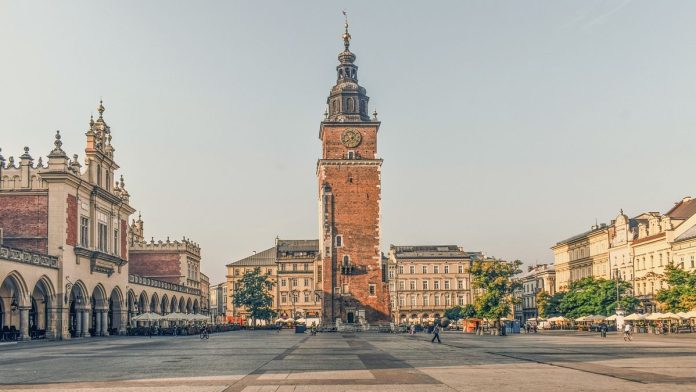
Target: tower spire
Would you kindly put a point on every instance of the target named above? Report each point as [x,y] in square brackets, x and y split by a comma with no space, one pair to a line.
[346,34]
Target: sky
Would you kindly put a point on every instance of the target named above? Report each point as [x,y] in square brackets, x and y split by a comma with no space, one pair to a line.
[506,126]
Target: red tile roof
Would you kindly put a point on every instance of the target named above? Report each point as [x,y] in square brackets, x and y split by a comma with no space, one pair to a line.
[683,210]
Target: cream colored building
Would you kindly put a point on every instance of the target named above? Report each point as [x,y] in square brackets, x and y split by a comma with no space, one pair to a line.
[424,281]
[652,249]
[292,266]
[580,256]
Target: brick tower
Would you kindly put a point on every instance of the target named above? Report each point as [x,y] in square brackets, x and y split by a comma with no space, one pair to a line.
[352,271]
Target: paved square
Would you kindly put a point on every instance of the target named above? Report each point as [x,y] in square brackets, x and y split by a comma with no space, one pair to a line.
[267,361]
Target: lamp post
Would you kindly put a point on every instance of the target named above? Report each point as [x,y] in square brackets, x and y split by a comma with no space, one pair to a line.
[293,294]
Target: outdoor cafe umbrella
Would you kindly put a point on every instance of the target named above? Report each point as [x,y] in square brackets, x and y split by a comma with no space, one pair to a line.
[176,316]
[147,317]
[581,319]
[635,317]
[559,319]
[611,318]
[655,316]
[671,316]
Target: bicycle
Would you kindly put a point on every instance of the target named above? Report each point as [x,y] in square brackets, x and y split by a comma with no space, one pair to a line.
[204,334]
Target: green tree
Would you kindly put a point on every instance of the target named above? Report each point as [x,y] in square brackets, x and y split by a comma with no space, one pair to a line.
[460,312]
[596,296]
[549,305]
[252,292]
[494,279]
[681,294]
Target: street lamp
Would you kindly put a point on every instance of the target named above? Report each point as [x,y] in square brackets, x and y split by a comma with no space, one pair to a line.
[293,298]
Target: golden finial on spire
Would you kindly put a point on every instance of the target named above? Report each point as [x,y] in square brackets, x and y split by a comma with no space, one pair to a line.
[101,109]
[346,34]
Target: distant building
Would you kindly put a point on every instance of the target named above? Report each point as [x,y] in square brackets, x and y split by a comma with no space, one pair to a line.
[425,280]
[535,280]
[218,302]
[583,255]
[292,267]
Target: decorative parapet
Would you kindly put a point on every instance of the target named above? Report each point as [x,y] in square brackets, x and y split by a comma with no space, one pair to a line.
[183,245]
[137,279]
[23,256]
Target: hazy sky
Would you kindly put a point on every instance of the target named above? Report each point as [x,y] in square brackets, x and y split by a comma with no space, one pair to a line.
[506,126]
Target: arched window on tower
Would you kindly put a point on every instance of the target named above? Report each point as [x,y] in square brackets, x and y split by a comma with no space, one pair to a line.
[351,104]
[99,175]
[335,106]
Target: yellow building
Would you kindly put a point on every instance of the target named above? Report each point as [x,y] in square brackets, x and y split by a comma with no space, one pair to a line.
[580,256]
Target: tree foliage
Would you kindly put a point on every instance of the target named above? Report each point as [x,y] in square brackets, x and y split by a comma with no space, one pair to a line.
[494,279]
[681,294]
[460,312]
[252,292]
[549,305]
[595,296]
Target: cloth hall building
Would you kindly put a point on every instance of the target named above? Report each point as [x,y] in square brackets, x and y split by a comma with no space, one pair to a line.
[66,267]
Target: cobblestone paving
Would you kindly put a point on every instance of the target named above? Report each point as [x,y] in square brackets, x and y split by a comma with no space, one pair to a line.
[267,361]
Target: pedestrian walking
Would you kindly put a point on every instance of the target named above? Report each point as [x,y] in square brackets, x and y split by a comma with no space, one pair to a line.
[603,330]
[436,334]
[412,329]
[627,332]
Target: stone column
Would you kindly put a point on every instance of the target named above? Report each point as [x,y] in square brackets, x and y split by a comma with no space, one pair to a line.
[78,323]
[105,323]
[51,332]
[122,326]
[85,323]
[98,322]
[24,323]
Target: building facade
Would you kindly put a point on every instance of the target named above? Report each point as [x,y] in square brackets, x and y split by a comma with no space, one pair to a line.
[294,270]
[349,178]
[535,280]
[64,262]
[581,256]
[426,280]
[218,303]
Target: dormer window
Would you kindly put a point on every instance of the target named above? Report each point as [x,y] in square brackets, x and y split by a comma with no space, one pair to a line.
[350,154]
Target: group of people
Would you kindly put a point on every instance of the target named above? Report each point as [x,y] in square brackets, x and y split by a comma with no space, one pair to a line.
[530,328]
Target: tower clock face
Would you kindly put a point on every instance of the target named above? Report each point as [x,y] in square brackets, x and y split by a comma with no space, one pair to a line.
[351,138]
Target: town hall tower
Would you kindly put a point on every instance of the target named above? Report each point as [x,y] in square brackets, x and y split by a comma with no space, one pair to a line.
[352,272]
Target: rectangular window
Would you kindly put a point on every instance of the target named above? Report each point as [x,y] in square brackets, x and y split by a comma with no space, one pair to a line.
[447,269]
[391,274]
[345,289]
[337,291]
[282,267]
[339,241]
[426,300]
[436,269]
[402,285]
[306,282]
[412,284]
[116,247]
[293,282]
[437,300]
[425,285]
[84,232]
[692,261]
[391,286]
[460,284]
[306,296]
[436,285]
[306,267]
[283,298]
[372,289]
[460,269]
[448,301]
[447,285]
[401,269]
[236,272]
[401,301]
[425,269]
[102,236]
[283,283]
[412,269]
[460,301]
[413,300]
[294,267]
